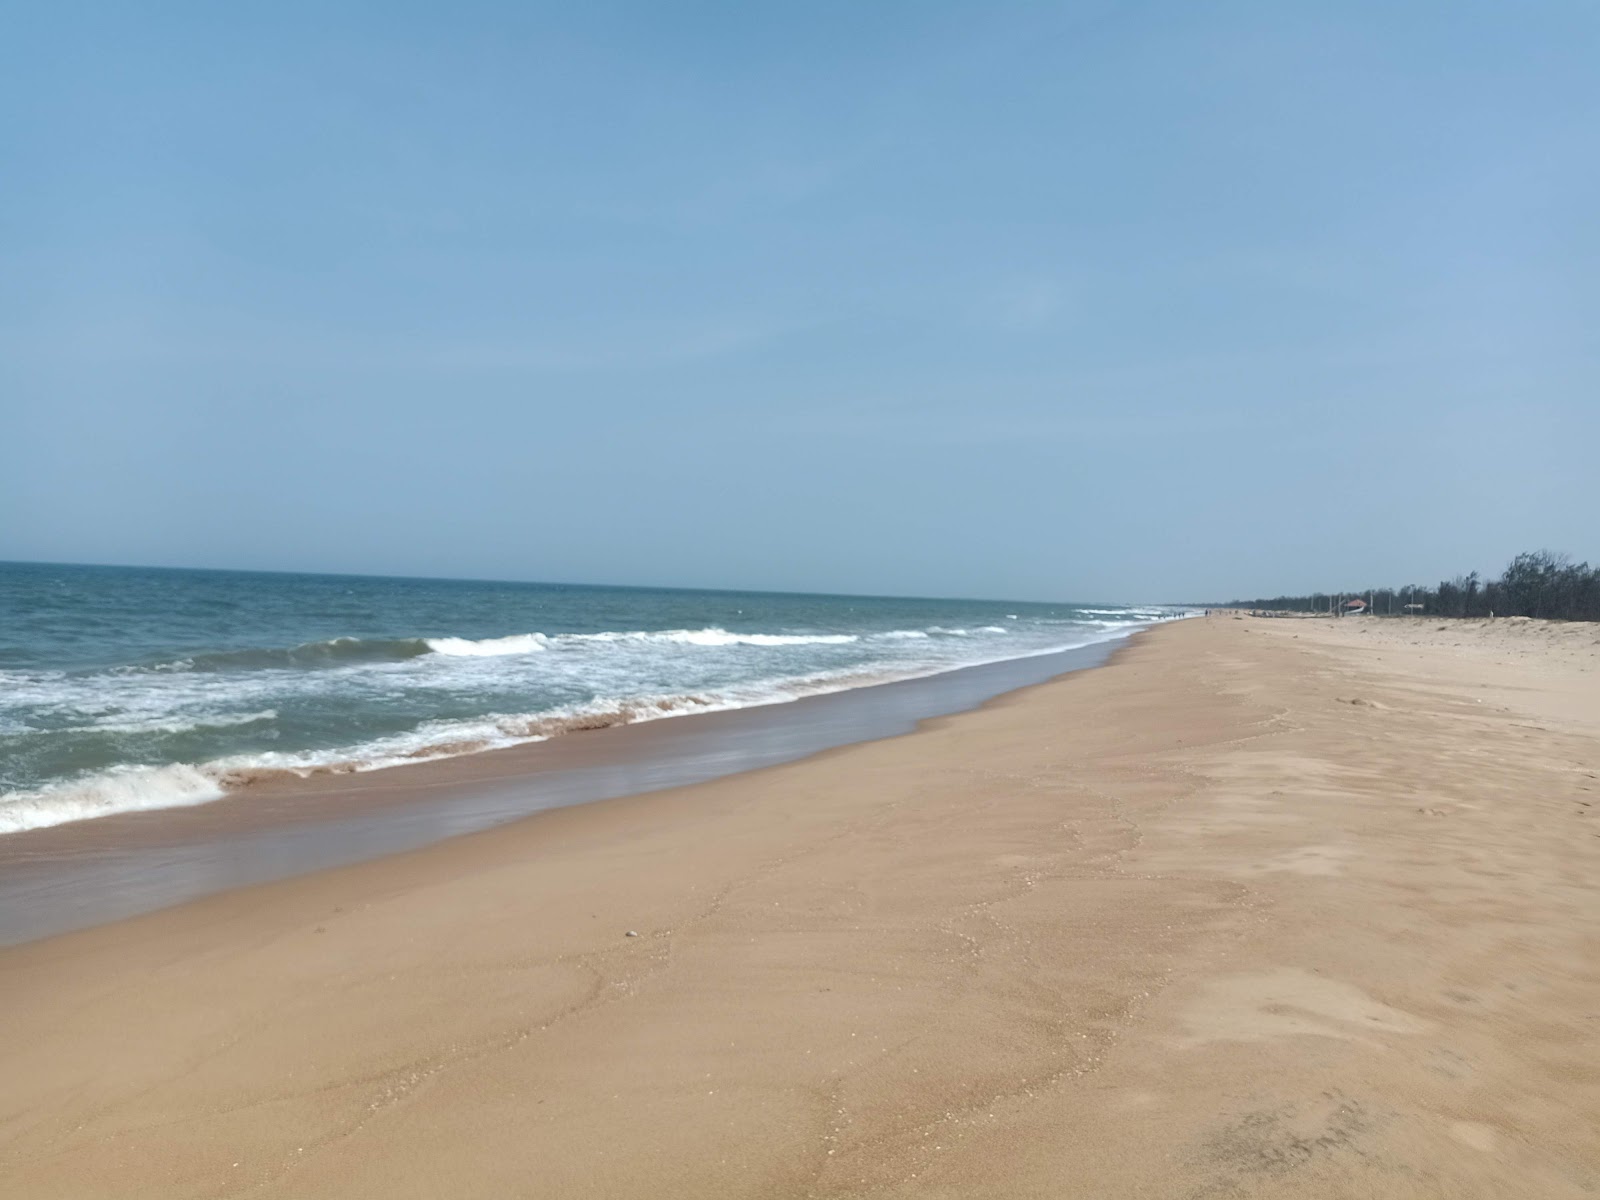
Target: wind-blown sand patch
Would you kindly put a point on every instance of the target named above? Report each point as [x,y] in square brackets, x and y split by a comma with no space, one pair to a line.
[1289,1002]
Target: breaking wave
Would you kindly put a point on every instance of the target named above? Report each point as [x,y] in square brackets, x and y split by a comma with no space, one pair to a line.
[127,789]
[335,652]
[348,651]
[177,725]
[118,790]
[526,643]
[241,717]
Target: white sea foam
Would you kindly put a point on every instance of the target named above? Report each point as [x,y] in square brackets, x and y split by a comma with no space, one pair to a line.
[119,790]
[721,637]
[177,725]
[1128,614]
[522,643]
[623,666]
[528,643]
[713,636]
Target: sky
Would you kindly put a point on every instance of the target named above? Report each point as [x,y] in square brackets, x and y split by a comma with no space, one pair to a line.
[1079,301]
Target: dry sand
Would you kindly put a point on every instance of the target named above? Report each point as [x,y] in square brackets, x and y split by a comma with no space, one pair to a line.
[1263,908]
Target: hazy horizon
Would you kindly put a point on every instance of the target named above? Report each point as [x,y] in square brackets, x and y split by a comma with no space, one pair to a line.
[1127,601]
[596,583]
[1100,301]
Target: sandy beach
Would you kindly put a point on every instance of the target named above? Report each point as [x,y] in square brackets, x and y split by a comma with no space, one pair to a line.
[1295,908]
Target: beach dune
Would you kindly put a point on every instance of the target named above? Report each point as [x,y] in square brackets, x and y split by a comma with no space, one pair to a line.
[1262,908]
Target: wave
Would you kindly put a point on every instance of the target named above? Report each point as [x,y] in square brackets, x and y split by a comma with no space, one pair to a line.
[353,651]
[531,643]
[1127,614]
[335,652]
[348,651]
[714,636]
[126,789]
[140,788]
[454,647]
[118,790]
[175,725]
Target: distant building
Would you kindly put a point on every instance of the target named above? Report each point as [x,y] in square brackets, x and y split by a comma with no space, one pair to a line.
[1352,607]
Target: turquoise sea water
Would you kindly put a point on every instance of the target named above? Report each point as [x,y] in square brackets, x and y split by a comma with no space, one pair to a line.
[130,688]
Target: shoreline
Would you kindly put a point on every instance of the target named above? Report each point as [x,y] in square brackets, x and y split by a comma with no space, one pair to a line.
[75,875]
[1258,909]
[132,690]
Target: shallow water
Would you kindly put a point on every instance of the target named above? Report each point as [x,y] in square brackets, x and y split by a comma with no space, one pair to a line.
[56,880]
[127,689]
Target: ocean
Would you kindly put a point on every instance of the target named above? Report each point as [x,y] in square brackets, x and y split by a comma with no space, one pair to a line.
[126,688]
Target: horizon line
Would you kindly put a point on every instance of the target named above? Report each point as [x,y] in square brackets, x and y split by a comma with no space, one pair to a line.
[638,587]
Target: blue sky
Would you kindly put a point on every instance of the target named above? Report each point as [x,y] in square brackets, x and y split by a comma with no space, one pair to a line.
[1113,301]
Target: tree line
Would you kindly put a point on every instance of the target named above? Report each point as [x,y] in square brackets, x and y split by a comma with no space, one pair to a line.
[1536,584]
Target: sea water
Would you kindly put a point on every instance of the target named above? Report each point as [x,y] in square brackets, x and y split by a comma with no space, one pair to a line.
[128,688]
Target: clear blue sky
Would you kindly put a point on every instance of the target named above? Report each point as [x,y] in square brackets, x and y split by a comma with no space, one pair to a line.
[1097,300]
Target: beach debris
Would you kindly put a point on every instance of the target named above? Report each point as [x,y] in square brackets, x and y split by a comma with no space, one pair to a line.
[633,933]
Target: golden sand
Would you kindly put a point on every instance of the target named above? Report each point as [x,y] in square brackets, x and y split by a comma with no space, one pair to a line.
[1263,908]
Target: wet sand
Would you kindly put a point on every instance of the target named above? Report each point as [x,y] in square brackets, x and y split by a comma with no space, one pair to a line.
[86,873]
[1262,908]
